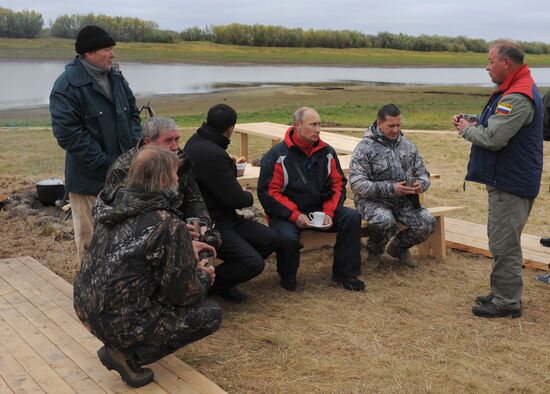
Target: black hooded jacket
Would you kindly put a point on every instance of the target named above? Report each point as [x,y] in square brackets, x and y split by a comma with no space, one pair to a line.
[216,174]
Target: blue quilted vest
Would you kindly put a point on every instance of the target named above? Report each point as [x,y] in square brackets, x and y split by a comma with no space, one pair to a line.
[517,167]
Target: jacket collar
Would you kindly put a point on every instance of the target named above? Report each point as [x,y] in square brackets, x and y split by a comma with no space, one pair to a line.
[518,82]
[376,134]
[213,135]
[78,76]
[289,141]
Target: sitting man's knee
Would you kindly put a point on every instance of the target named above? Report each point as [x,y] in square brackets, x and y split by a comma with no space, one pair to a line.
[255,266]
[383,225]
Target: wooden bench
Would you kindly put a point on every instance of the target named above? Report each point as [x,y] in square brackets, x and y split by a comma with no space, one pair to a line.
[344,146]
[312,239]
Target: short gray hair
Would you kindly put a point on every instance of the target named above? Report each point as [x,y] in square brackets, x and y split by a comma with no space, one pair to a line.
[510,49]
[298,116]
[154,125]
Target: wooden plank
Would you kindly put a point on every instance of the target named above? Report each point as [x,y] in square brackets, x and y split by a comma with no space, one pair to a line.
[4,388]
[89,363]
[34,365]
[15,376]
[244,145]
[50,353]
[45,286]
[405,131]
[5,288]
[164,378]
[48,275]
[472,238]
[194,378]
[170,382]
[76,330]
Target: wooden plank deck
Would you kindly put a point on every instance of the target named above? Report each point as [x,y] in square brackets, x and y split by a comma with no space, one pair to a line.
[472,237]
[45,348]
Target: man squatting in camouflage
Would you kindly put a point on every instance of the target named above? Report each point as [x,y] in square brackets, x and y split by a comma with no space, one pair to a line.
[163,132]
[141,288]
[379,166]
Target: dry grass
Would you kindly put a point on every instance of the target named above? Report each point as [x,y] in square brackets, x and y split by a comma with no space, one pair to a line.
[411,331]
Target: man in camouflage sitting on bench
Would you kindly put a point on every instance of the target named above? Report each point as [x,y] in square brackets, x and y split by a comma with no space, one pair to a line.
[380,167]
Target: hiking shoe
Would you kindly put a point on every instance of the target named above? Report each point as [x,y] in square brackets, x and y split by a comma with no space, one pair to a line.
[372,262]
[483,300]
[491,310]
[487,299]
[289,283]
[233,295]
[403,255]
[131,373]
[351,283]
[544,278]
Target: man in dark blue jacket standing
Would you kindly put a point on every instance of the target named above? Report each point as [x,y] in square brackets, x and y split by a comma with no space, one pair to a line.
[506,156]
[95,119]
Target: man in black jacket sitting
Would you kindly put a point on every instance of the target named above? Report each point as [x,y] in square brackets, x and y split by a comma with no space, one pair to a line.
[245,243]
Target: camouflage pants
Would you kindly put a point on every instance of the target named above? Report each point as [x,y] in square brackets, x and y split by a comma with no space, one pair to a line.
[191,324]
[173,329]
[384,222]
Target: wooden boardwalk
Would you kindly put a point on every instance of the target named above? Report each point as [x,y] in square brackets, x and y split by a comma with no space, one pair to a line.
[45,348]
[472,237]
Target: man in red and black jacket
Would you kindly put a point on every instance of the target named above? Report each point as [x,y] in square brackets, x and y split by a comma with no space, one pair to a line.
[301,175]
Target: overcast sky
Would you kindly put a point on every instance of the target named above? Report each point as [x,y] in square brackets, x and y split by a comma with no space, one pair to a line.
[527,20]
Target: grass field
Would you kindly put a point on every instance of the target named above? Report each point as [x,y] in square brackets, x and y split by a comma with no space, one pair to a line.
[207,52]
[412,330]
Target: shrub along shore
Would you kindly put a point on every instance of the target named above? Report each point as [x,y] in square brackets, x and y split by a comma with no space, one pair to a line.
[50,48]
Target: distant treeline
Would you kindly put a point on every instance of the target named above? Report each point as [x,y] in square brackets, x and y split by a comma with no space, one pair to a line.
[24,24]
[280,36]
[121,28]
[29,24]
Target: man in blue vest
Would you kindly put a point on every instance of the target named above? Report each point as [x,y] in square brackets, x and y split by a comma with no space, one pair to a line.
[506,156]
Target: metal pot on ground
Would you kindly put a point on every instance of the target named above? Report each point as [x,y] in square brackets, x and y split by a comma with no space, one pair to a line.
[50,190]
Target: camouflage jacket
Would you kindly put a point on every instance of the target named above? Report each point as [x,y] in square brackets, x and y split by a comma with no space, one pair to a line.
[193,204]
[377,163]
[140,262]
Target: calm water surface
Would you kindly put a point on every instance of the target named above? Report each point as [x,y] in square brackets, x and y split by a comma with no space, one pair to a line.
[26,84]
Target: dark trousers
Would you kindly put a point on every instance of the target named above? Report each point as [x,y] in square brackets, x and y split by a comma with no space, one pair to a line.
[347,250]
[245,245]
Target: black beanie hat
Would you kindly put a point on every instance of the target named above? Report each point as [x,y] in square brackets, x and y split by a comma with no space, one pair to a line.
[91,38]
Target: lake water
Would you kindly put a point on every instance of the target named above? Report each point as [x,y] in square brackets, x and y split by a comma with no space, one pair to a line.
[26,84]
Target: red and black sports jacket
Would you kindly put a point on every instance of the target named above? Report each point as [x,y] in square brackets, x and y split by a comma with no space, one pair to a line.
[291,182]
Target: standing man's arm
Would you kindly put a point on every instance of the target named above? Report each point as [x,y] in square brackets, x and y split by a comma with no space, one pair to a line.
[69,128]
[135,121]
[517,111]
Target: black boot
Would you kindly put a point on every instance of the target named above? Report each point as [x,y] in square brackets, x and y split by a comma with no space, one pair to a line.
[545,242]
[131,373]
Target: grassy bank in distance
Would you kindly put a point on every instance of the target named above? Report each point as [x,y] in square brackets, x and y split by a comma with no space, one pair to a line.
[207,52]
[345,105]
